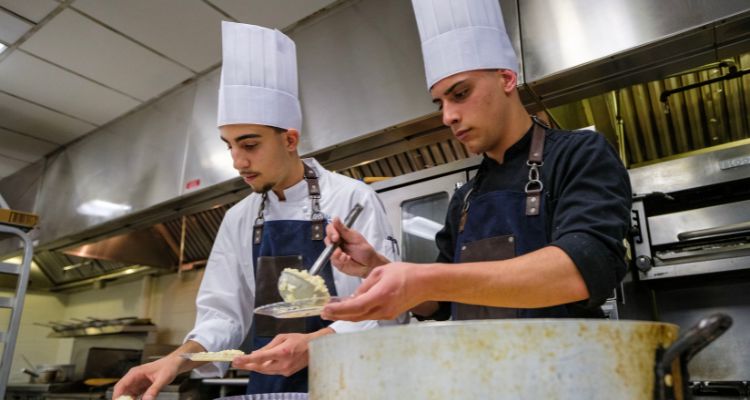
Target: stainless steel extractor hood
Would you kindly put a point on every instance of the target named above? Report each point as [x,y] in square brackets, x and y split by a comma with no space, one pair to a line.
[366,113]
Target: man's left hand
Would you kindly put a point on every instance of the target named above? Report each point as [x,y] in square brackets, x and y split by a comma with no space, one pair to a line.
[388,291]
[286,354]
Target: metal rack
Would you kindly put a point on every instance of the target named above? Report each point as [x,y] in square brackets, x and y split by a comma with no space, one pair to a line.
[14,303]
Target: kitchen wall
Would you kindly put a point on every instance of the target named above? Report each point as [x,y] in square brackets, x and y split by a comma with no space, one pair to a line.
[32,339]
[173,305]
[169,300]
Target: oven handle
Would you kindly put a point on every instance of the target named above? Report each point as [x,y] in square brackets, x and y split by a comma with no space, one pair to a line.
[719,230]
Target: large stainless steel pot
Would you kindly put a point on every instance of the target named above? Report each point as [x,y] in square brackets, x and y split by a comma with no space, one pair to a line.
[50,373]
[510,359]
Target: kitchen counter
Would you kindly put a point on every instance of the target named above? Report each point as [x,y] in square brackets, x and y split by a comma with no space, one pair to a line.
[28,387]
[225,384]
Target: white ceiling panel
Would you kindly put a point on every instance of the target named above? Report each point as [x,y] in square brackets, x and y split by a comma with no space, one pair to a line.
[276,13]
[111,59]
[9,165]
[188,31]
[34,10]
[11,27]
[22,116]
[43,83]
[22,147]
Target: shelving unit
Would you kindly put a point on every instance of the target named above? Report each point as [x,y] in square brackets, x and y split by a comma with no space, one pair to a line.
[14,303]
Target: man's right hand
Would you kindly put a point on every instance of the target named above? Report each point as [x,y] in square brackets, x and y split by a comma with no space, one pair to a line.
[354,256]
[148,379]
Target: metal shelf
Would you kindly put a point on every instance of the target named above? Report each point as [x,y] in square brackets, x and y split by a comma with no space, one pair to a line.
[6,268]
[7,302]
[104,330]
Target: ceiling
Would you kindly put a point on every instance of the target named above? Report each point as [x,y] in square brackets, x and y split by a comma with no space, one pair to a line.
[72,66]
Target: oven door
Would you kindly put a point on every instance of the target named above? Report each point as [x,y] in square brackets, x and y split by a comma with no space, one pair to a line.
[702,240]
[417,212]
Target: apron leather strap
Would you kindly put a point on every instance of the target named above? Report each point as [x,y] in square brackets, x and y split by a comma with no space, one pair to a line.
[318,218]
[259,221]
[534,186]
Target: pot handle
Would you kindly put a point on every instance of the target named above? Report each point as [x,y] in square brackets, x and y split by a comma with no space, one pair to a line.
[687,346]
[30,372]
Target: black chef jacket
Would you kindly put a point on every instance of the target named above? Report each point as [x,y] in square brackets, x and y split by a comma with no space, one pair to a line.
[587,200]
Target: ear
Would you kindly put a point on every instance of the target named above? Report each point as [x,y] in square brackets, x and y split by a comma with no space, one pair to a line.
[291,139]
[509,79]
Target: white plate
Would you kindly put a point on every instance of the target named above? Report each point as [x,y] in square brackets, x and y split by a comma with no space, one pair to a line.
[211,357]
[296,309]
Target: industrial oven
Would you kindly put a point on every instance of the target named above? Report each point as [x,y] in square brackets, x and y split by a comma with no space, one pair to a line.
[692,215]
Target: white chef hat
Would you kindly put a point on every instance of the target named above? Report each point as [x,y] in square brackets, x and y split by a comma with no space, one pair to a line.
[462,35]
[258,78]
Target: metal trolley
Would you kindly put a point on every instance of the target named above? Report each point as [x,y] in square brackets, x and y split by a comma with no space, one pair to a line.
[14,303]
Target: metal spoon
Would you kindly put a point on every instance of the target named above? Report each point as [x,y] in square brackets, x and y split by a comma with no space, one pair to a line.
[292,287]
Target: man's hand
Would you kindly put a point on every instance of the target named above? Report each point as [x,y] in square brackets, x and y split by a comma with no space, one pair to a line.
[354,256]
[387,292]
[286,354]
[148,379]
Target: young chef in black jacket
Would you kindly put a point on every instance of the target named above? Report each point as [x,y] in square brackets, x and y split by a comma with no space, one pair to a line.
[537,233]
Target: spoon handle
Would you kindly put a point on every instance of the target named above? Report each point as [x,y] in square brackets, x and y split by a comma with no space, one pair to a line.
[328,251]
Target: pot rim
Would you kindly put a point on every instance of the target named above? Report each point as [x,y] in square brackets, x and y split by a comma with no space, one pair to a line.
[500,323]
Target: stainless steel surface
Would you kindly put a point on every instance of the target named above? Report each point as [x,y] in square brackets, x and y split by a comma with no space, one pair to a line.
[434,172]
[328,251]
[143,247]
[510,359]
[575,40]
[666,228]
[308,307]
[727,359]
[206,159]
[9,333]
[582,24]
[741,227]
[414,186]
[363,57]
[691,172]
[692,214]
[168,392]
[166,158]
[269,396]
[52,373]
[128,166]
[104,330]
[361,71]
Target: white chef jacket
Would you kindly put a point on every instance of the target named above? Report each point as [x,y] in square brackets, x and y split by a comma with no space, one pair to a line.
[226,297]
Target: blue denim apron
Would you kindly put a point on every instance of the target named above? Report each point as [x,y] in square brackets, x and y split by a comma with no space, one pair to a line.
[277,245]
[504,224]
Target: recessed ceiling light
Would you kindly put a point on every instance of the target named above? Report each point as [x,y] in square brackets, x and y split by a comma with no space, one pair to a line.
[2,47]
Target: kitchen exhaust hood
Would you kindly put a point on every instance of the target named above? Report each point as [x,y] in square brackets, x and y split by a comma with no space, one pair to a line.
[150,189]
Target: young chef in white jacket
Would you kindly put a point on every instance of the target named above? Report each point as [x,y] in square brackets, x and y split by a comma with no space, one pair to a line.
[282,224]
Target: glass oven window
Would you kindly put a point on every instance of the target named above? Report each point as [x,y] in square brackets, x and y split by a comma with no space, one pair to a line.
[421,219]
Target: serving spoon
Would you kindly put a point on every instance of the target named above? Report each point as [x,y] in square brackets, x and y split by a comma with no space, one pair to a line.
[295,286]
